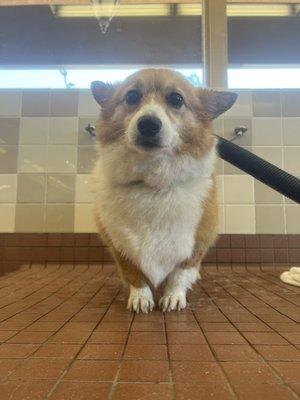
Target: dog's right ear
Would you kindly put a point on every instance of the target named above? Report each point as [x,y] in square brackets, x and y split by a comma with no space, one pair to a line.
[101,91]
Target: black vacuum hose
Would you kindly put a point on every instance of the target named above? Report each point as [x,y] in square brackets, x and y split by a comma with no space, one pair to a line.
[267,173]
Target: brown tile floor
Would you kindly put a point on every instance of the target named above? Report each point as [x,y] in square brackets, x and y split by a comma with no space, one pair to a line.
[65,334]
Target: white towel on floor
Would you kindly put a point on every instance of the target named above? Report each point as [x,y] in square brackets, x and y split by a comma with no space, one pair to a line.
[292,277]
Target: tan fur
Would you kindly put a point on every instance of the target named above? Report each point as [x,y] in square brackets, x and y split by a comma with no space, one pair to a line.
[147,208]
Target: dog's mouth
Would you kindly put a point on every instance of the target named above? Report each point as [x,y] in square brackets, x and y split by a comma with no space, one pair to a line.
[148,144]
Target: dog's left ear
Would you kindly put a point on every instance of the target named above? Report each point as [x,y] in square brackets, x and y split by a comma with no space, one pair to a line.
[216,103]
[101,91]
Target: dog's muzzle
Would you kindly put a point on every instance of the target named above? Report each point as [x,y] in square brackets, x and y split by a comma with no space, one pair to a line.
[148,127]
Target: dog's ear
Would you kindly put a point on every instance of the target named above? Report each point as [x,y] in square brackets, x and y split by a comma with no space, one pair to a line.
[101,91]
[216,103]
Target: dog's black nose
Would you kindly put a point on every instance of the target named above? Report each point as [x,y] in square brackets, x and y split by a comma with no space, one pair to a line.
[149,125]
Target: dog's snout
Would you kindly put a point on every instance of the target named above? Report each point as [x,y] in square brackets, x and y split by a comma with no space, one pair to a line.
[149,125]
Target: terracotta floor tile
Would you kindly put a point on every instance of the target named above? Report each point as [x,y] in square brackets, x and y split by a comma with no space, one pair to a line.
[193,372]
[146,352]
[44,327]
[25,390]
[252,327]
[147,338]
[36,369]
[144,371]
[81,391]
[7,366]
[196,337]
[5,335]
[235,352]
[295,387]
[138,391]
[293,337]
[147,326]
[108,337]
[190,353]
[113,326]
[101,352]
[279,353]
[57,350]
[224,338]
[188,326]
[285,327]
[217,327]
[249,373]
[69,337]
[203,391]
[79,326]
[90,370]
[263,391]
[30,337]
[268,338]
[16,350]
[289,371]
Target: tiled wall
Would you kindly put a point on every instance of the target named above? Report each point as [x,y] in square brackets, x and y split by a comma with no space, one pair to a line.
[46,156]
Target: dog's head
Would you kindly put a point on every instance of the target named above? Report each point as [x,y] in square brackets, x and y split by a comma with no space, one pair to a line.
[157,111]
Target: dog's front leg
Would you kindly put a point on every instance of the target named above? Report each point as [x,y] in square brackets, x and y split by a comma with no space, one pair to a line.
[140,299]
[178,283]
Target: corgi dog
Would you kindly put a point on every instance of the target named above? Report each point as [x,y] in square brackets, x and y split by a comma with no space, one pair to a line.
[154,185]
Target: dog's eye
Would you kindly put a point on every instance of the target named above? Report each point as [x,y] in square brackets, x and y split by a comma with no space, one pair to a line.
[133,97]
[175,100]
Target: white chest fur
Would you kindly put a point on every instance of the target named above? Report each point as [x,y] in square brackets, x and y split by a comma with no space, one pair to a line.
[153,226]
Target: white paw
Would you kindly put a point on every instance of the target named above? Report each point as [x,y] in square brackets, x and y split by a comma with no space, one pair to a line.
[140,300]
[173,301]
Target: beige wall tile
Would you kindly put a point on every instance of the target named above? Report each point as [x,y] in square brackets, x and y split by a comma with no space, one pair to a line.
[266,132]
[64,103]
[266,103]
[271,154]
[221,211]
[9,130]
[291,104]
[84,138]
[36,103]
[84,218]
[293,219]
[8,159]
[269,219]
[10,103]
[34,130]
[31,188]
[243,105]
[291,131]
[218,126]
[32,159]
[60,188]
[220,188]
[8,188]
[87,105]
[7,217]
[83,189]
[292,159]
[30,218]
[231,123]
[59,218]
[63,130]
[238,189]
[239,219]
[62,159]
[265,195]
[87,156]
